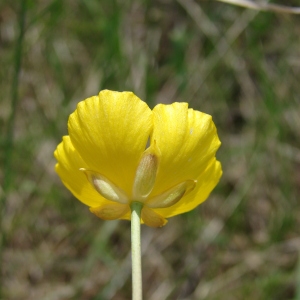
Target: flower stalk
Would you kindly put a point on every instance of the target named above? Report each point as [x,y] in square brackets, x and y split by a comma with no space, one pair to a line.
[136,208]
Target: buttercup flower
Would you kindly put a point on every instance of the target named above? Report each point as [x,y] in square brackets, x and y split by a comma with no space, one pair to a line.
[118,151]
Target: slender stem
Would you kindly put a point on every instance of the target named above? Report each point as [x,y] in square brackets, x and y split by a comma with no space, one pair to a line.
[137,291]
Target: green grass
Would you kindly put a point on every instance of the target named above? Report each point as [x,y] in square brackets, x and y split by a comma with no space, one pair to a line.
[240,66]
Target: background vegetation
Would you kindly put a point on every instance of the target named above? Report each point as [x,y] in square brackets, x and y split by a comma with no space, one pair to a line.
[240,66]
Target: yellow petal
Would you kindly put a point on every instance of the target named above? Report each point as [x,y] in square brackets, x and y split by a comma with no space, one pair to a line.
[171,196]
[205,184]
[111,211]
[105,187]
[69,163]
[187,140]
[126,216]
[151,218]
[110,132]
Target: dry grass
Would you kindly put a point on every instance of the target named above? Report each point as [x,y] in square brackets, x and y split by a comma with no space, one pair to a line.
[263,6]
[241,66]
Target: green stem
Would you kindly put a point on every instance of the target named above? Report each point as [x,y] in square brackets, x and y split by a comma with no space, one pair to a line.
[137,291]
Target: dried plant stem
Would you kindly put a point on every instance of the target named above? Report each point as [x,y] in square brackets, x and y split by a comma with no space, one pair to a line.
[263,6]
[137,291]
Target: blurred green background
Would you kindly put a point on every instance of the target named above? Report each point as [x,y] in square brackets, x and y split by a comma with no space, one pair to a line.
[240,66]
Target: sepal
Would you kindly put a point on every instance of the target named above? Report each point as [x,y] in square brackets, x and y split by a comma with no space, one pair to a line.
[172,196]
[105,187]
[145,175]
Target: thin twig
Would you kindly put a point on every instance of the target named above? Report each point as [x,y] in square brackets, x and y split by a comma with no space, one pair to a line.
[263,6]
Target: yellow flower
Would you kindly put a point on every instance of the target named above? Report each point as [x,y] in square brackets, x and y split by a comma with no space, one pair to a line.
[118,151]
